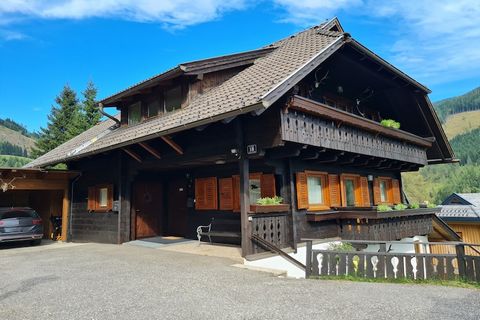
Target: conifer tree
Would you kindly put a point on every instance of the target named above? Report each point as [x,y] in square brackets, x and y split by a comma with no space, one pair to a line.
[61,122]
[89,106]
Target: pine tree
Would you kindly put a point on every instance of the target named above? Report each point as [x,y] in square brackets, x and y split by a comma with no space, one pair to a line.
[61,122]
[89,106]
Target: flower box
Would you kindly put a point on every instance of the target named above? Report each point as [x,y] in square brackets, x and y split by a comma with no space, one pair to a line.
[268,208]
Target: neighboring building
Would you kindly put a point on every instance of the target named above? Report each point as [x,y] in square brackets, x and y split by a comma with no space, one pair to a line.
[461,211]
[299,118]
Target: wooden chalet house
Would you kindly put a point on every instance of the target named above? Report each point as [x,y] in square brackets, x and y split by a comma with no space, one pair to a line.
[299,118]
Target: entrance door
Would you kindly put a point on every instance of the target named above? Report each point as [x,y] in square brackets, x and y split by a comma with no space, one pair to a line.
[148,208]
[177,207]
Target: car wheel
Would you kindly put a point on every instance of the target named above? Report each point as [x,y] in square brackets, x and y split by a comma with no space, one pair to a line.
[36,242]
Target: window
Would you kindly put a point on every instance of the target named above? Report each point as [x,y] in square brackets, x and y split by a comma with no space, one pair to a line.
[255,188]
[386,190]
[134,113]
[261,185]
[173,99]
[100,198]
[153,108]
[313,191]
[350,192]
[383,191]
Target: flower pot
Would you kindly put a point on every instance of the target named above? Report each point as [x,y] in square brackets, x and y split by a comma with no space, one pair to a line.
[257,208]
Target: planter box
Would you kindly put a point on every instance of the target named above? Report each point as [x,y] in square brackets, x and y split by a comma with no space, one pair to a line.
[257,208]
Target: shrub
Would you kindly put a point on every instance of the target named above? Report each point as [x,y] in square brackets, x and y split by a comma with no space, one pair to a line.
[414,206]
[342,246]
[389,123]
[431,205]
[269,201]
[400,206]
[383,208]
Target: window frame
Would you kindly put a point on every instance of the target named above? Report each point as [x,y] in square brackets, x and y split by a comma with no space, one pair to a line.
[389,190]
[177,87]
[325,205]
[94,204]
[357,192]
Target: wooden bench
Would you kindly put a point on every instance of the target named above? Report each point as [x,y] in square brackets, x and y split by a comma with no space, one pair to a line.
[221,228]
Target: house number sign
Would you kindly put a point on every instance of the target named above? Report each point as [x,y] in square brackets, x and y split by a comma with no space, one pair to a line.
[251,149]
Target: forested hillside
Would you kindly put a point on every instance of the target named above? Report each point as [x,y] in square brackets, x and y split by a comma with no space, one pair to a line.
[469,101]
[434,183]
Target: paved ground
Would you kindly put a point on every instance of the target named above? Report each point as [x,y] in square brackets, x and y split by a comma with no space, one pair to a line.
[95,281]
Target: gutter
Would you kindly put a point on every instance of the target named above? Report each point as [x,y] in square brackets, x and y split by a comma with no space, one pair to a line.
[100,108]
[70,216]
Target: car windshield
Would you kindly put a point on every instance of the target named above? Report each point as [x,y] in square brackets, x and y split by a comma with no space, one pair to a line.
[18,214]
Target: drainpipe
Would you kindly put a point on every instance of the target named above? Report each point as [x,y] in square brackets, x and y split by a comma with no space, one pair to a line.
[100,108]
[70,217]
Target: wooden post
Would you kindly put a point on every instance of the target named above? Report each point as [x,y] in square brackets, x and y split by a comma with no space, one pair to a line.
[460,249]
[308,263]
[244,191]
[65,213]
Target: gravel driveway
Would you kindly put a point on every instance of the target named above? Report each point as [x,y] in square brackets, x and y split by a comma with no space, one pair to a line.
[95,281]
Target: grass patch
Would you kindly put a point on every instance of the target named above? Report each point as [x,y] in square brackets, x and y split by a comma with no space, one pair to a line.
[435,282]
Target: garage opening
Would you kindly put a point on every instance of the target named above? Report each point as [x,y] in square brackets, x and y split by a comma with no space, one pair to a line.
[45,191]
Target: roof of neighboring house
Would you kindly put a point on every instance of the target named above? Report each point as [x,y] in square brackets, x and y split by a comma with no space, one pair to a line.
[461,207]
[270,72]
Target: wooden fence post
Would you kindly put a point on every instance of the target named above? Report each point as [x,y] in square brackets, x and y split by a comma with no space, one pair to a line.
[308,263]
[460,249]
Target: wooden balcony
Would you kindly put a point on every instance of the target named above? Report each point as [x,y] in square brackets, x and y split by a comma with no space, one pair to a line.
[312,123]
[368,224]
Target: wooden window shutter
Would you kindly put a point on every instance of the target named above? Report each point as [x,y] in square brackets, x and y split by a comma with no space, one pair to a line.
[267,185]
[365,192]
[302,190]
[92,199]
[236,193]
[334,190]
[225,186]
[376,192]
[397,196]
[110,197]
[358,192]
[206,193]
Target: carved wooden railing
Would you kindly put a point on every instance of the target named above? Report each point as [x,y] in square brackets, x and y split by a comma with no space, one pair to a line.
[273,228]
[389,265]
[385,229]
[326,129]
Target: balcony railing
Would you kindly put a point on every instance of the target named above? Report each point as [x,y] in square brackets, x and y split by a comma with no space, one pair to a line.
[309,122]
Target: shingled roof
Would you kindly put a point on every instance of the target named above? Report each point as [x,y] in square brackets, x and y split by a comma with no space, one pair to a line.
[461,207]
[272,71]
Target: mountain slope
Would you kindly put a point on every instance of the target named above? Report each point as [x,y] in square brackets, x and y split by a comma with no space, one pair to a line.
[16,138]
[461,123]
[469,101]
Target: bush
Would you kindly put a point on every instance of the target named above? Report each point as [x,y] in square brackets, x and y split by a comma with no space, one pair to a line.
[400,206]
[389,123]
[431,205]
[342,246]
[414,206]
[270,201]
[384,208]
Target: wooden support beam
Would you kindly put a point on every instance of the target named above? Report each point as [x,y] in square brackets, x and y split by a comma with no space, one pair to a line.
[150,149]
[309,154]
[329,159]
[172,144]
[65,213]
[349,159]
[132,154]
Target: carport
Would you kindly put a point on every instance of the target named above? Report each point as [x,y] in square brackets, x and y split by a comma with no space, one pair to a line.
[46,191]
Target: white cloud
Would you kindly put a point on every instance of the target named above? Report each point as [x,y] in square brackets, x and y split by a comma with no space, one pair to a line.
[170,13]
[435,41]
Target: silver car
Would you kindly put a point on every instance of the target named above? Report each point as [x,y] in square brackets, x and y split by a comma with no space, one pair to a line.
[20,224]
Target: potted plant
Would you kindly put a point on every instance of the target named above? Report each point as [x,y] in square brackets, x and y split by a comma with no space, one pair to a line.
[267,205]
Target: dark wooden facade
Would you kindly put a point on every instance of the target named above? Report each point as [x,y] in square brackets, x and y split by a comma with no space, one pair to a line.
[154,181]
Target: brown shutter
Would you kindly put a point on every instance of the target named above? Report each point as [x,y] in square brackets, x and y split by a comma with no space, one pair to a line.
[397,197]
[358,192]
[236,193]
[206,194]
[302,191]
[225,186]
[377,199]
[334,190]
[365,192]
[267,185]
[92,201]
[110,197]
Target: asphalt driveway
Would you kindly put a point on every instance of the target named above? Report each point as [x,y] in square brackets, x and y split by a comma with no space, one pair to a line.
[95,281]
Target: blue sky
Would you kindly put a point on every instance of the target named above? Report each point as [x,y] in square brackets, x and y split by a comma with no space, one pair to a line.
[115,43]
